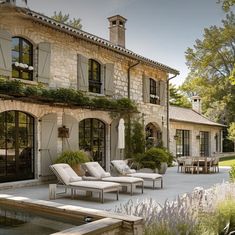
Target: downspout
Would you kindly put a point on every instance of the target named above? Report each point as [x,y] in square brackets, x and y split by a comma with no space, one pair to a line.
[129,116]
[167,113]
[129,79]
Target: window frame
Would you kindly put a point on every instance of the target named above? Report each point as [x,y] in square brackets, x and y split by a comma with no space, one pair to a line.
[182,142]
[21,164]
[204,143]
[94,85]
[153,92]
[21,52]
[92,138]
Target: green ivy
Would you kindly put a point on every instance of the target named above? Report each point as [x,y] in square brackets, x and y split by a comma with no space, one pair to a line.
[67,96]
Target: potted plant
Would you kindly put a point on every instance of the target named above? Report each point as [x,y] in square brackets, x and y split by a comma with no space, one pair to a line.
[155,159]
[74,159]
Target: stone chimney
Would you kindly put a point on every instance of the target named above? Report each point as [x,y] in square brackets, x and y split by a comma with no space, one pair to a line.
[196,103]
[117,30]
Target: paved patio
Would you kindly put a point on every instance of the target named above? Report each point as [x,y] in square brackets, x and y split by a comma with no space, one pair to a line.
[174,184]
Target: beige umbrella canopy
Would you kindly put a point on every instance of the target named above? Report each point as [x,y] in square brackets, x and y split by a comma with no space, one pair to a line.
[121,134]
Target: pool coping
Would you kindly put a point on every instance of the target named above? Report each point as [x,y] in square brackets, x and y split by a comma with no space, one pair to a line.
[104,221]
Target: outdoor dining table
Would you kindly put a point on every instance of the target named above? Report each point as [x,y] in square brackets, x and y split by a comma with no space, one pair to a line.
[198,162]
[203,162]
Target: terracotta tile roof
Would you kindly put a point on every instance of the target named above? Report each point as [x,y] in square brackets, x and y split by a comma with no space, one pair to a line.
[92,38]
[188,115]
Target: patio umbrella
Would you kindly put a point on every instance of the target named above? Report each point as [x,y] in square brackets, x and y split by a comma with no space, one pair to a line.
[121,134]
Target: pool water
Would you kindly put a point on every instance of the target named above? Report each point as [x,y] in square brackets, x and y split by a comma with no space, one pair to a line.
[18,222]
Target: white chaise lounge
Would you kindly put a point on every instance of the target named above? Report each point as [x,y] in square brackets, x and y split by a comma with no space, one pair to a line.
[68,179]
[97,173]
[123,169]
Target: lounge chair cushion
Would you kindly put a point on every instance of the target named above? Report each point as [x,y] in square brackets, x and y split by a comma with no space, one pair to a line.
[66,173]
[122,167]
[123,179]
[96,170]
[141,175]
[95,184]
[75,179]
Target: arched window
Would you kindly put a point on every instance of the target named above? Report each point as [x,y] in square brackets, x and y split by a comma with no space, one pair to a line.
[22,58]
[94,71]
[92,138]
[16,146]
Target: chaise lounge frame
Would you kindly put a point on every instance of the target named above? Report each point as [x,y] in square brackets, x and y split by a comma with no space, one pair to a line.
[84,186]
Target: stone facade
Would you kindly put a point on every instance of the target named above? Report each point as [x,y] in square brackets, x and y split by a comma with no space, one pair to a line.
[194,141]
[65,49]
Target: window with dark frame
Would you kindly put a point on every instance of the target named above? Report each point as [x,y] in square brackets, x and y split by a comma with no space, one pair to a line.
[182,143]
[22,58]
[94,73]
[204,143]
[154,99]
[16,146]
[92,139]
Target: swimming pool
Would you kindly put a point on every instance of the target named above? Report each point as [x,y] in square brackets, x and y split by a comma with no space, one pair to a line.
[22,222]
[25,216]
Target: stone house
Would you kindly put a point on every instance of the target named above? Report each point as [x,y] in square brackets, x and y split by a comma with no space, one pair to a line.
[192,134]
[38,50]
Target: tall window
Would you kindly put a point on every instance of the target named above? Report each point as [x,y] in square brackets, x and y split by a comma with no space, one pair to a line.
[94,72]
[182,143]
[92,138]
[16,146]
[204,143]
[22,58]
[154,98]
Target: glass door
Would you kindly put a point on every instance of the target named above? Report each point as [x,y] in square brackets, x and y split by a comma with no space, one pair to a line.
[16,146]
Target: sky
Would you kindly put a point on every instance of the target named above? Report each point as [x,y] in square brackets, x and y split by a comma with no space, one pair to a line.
[161,30]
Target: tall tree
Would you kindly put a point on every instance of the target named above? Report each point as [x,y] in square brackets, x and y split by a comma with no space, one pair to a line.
[231,133]
[177,98]
[211,63]
[227,4]
[64,18]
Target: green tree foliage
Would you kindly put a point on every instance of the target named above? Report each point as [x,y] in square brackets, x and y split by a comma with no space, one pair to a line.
[64,18]
[211,63]
[137,138]
[177,98]
[231,133]
[227,4]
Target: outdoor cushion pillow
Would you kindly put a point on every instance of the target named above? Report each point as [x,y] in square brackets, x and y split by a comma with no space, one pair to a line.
[75,179]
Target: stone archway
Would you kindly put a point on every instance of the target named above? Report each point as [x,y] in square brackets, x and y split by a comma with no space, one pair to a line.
[153,135]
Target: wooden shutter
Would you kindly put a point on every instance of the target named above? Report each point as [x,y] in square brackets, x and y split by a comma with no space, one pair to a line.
[48,143]
[82,73]
[5,53]
[44,62]
[162,93]
[146,89]
[109,77]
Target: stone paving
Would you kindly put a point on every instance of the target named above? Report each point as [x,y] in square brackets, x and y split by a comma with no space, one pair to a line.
[174,184]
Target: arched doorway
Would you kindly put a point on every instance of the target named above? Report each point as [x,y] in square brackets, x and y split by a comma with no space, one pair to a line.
[153,135]
[92,139]
[16,146]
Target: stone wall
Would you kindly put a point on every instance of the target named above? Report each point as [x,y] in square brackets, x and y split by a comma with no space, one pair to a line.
[194,131]
[64,61]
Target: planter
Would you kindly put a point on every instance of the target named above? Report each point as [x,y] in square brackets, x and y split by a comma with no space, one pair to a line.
[163,168]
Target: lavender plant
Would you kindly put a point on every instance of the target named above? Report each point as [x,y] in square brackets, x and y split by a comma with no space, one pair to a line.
[189,213]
